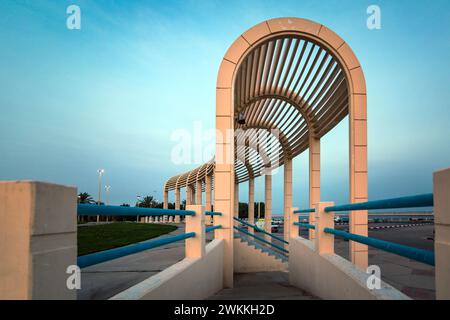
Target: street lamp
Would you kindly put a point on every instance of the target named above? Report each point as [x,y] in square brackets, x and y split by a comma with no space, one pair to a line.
[137,204]
[100,174]
[107,188]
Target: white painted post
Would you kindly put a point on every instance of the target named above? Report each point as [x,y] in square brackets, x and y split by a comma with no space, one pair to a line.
[324,242]
[195,247]
[38,240]
[293,229]
[441,198]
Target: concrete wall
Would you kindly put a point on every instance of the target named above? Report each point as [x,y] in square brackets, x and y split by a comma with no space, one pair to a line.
[38,240]
[248,259]
[330,276]
[189,279]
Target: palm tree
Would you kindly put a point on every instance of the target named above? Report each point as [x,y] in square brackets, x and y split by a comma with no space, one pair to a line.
[85,197]
[146,202]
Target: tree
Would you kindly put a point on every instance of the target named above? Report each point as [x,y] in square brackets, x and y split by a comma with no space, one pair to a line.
[147,202]
[85,197]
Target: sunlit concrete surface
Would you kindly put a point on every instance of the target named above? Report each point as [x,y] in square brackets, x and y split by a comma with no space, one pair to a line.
[262,286]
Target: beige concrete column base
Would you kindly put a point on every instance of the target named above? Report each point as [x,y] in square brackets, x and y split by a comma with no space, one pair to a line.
[38,240]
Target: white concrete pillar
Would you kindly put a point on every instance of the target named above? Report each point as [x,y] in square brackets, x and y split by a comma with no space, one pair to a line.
[268,204]
[208,198]
[236,200]
[195,247]
[177,204]
[251,203]
[293,229]
[188,195]
[441,198]
[324,242]
[287,196]
[166,200]
[198,192]
[358,175]
[38,240]
[314,179]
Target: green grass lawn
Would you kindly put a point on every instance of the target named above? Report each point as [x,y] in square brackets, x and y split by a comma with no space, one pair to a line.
[107,236]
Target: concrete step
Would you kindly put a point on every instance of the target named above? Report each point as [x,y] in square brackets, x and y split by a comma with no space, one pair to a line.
[258,246]
[262,286]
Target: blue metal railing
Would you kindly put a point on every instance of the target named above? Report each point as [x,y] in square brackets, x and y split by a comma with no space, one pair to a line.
[417,201]
[96,210]
[305,210]
[306,225]
[261,239]
[260,230]
[213,213]
[103,256]
[209,229]
[421,255]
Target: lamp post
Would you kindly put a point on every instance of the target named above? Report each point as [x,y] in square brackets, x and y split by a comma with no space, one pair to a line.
[137,204]
[107,188]
[100,174]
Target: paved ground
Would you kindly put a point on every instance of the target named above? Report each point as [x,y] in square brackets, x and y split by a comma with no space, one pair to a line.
[262,286]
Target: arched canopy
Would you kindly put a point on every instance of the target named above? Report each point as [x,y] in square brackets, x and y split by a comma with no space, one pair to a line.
[292,79]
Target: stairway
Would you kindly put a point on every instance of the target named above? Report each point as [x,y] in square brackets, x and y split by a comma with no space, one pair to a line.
[258,246]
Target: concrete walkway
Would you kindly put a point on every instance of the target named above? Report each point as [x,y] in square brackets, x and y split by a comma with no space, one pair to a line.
[262,286]
[106,279]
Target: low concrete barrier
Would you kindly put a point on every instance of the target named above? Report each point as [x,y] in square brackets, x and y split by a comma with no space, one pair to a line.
[330,276]
[189,279]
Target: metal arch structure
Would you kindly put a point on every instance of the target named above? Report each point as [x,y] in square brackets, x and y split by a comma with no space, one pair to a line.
[296,77]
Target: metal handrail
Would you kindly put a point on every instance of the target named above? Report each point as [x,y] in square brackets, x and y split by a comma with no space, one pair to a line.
[306,225]
[111,254]
[96,210]
[305,210]
[213,213]
[417,201]
[209,229]
[420,255]
[260,230]
[260,239]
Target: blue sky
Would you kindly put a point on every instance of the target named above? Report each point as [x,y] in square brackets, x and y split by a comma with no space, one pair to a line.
[111,94]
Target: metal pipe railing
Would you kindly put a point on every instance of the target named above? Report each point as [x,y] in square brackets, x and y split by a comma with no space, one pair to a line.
[417,201]
[306,225]
[305,210]
[213,213]
[260,230]
[111,254]
[96,210]
[209,229]
[420,255]
[261,239]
